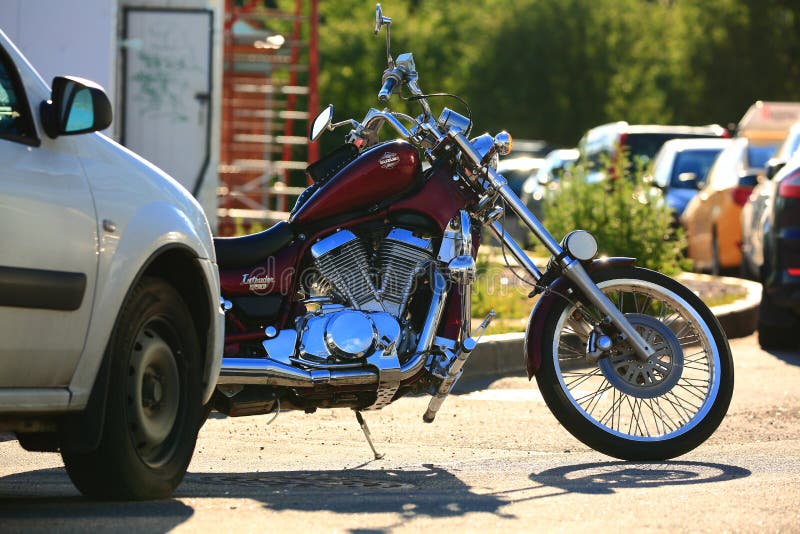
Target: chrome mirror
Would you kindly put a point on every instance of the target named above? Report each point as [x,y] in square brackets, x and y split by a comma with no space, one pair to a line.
[381,21]
[321,123]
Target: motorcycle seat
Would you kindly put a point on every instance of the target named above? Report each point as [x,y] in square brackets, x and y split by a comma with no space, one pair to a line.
[249,250]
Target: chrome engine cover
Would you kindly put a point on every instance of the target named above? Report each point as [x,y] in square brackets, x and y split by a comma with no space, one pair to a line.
[336,334]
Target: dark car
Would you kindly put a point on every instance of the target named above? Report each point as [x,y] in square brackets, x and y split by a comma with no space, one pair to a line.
[779,314]
[754,213]
[601,145]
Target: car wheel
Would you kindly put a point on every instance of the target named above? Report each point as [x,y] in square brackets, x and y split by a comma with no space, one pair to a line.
[772,336]
[154,403]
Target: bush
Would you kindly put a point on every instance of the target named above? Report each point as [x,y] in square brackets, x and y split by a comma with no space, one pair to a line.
[627,216]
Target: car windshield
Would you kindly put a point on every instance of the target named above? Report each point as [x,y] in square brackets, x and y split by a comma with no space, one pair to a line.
[696,162]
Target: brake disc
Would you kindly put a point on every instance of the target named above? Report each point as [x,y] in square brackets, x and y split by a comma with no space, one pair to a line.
[650,378]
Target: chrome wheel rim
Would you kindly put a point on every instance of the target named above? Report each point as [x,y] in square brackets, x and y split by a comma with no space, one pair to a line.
[154,390]
[680,398]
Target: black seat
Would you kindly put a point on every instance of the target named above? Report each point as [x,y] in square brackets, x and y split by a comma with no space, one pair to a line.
[249,250]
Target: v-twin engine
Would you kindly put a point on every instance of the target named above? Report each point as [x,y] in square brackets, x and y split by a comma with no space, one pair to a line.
[383,285]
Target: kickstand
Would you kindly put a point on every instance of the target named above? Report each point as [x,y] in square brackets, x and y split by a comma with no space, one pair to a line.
[365,429]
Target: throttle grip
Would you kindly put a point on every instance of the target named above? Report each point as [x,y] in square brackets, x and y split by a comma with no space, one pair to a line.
[386,91]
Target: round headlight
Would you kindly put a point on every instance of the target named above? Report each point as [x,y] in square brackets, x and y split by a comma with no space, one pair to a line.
[581,245]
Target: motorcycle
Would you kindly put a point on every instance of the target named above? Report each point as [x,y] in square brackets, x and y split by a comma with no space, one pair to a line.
[363,295]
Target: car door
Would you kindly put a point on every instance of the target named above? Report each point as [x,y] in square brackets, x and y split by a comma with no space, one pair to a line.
[48,239]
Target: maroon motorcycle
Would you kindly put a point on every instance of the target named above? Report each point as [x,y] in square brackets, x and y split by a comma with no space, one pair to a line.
[363,295]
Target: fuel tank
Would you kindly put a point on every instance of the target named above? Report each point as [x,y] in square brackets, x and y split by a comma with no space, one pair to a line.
[382,172]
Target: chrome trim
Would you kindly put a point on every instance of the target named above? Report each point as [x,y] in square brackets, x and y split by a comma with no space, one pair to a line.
[281,347]
[268,372]
[332,242]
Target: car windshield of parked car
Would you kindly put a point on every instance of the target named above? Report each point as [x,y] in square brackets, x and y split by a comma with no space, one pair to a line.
[697,162]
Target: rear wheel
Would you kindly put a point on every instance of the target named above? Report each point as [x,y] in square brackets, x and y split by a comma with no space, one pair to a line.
[627,408]
[154,401]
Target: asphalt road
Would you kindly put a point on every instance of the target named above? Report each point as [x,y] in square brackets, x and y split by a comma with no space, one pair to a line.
[495,460]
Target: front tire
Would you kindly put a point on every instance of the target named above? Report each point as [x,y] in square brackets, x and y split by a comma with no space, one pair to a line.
[154,401]
[633,410]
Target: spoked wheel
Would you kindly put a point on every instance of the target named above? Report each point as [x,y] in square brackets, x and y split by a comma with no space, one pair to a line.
[622,406]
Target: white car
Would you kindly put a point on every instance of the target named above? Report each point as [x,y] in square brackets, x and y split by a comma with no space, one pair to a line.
[110,321]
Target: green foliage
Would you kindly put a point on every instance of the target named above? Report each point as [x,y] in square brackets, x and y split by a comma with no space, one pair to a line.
[554,68]
[627,217]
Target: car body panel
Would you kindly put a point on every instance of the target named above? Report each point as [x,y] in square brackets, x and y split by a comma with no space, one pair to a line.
[128,213]
[713,214]
[755,212]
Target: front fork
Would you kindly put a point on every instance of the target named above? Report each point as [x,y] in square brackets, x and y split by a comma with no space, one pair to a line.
[570,267]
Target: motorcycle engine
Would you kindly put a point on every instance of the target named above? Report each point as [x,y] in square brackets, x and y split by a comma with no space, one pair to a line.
[372,295]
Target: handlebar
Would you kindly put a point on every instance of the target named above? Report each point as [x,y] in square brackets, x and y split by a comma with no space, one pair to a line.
[388,86]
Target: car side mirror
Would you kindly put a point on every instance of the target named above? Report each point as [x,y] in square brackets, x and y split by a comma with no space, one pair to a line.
[76,106]
[773,167]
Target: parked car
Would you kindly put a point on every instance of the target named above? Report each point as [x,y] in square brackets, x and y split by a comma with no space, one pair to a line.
[516,170]
[110,316]
[600,146]
[754,212]
[680,166]
[712,218]
[779,313]
[555,165]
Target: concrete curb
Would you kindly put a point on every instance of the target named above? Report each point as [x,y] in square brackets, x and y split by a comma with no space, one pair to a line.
[502,354]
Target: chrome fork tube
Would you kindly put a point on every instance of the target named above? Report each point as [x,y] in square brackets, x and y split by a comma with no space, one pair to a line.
[572,268]
[516,250]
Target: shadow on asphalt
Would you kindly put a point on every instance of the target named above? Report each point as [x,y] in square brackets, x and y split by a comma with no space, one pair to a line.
[422,491]
[787,356]
[608,477]
[45,500]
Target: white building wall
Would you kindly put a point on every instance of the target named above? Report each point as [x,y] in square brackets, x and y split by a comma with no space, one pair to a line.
[61,37]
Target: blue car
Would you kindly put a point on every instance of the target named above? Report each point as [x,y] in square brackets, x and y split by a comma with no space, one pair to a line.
[681,166]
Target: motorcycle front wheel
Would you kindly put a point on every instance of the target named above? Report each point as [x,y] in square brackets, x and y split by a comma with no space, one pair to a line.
[627,408]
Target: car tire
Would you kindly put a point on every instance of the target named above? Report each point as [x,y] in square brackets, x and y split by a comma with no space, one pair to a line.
[154,406]
[772,336]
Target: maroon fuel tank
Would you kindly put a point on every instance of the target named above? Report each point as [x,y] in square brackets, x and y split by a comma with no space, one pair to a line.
[382,172]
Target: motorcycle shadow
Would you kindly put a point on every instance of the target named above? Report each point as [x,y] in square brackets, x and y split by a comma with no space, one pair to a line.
[424,490]
[35,499]
[607,477]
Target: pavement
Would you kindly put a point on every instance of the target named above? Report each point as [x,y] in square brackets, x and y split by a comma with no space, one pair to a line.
[502,354]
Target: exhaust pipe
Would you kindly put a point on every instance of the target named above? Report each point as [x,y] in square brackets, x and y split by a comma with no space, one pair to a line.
[269,372]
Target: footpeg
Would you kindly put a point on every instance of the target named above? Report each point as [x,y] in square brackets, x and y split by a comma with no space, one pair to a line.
[365,429]
[458,359]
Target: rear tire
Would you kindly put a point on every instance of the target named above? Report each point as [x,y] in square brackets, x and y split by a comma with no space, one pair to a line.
[154,403]
[652,410]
